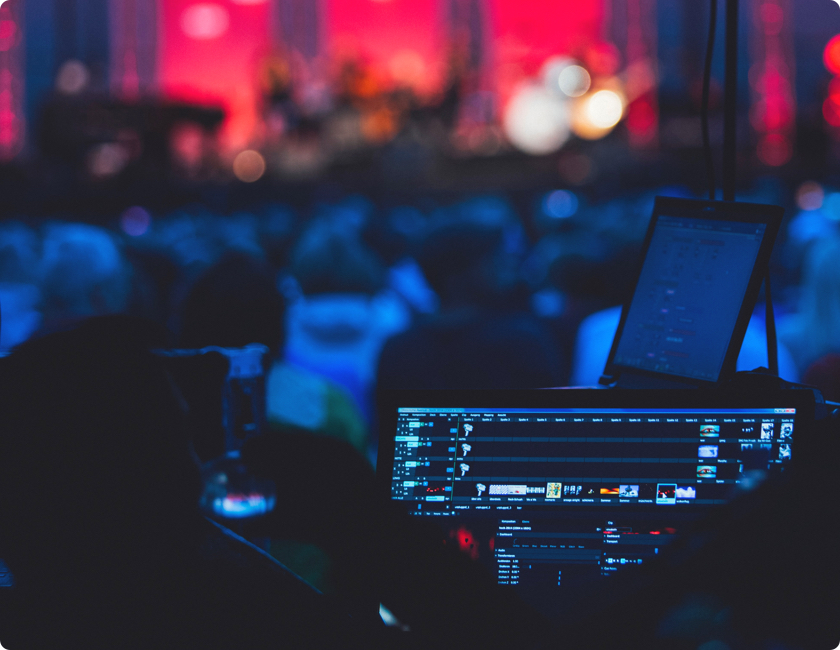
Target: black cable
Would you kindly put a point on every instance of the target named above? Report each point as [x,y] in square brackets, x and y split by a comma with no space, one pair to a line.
[704,107]
[730,103]
[770,327]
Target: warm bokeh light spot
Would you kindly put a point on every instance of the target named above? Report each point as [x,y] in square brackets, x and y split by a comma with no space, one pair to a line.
[8,34]
[249,166]
[831,55]
[831,112]
[774,149]
[536,121]
[205,21]
[604,109]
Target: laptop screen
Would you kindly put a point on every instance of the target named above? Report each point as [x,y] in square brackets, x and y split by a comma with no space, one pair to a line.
[550,497]
[700,275]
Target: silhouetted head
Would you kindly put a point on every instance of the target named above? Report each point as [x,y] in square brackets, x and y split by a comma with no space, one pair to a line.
[459,261]
[83,274]
[234,303]
[94,462]
[328,259]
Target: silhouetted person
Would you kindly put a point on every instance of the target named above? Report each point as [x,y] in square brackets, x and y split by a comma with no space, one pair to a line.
[479,338]
[235,303]
[99,521]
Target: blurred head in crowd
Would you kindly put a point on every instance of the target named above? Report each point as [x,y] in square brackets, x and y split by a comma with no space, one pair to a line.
[330,258]
[819,304]
[83,274]
[94,463]
[20,250]
[600,279]
[234,303]
[462,261]
[20,296]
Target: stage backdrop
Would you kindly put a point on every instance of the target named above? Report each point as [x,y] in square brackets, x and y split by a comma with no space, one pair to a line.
[210,50]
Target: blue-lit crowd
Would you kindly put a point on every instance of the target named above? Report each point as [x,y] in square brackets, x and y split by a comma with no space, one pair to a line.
[100,472]
[468,294]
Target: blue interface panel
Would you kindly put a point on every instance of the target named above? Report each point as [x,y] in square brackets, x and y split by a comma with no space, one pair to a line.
[549,499]
[449,460]
[690,291]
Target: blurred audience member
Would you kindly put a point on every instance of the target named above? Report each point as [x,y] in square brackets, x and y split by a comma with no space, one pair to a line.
[236,303]
[99,521]
[339,324]
[481,337]
[83,274]
[591,275]
[20,295]
[814,330]
[824,373]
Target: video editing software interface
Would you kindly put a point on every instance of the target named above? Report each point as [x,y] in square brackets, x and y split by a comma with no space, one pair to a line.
[551,497]
[688,297]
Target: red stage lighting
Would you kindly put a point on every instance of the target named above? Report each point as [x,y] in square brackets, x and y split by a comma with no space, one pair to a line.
[831,55]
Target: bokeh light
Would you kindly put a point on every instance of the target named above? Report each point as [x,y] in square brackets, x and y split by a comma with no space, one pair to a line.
[135,221]
[831,105]
[249,166]
[8,35]
[552,69]
[810,196]
[574,81]
[72,78]
[205,21]
[107,160]
[536,121]
[604,109]
[831,55]
[595,115]
[774,149]
[560,204]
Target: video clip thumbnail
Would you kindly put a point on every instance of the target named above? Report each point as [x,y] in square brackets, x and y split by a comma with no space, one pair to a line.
[707,451]
[709,430]
[686,492]
[666,493]
[628,491]
[767,430]
[553,490]
[706,471]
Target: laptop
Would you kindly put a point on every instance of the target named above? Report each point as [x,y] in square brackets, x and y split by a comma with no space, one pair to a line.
[552,490]
[701,269]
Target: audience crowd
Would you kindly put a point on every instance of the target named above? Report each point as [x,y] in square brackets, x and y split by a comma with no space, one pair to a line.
[347,298]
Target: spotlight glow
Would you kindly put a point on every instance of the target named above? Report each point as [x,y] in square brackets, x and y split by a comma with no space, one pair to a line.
[249,166]
[574,81]
[604,109]
[205,21]
[551,71]
[831,55]
[536,121]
